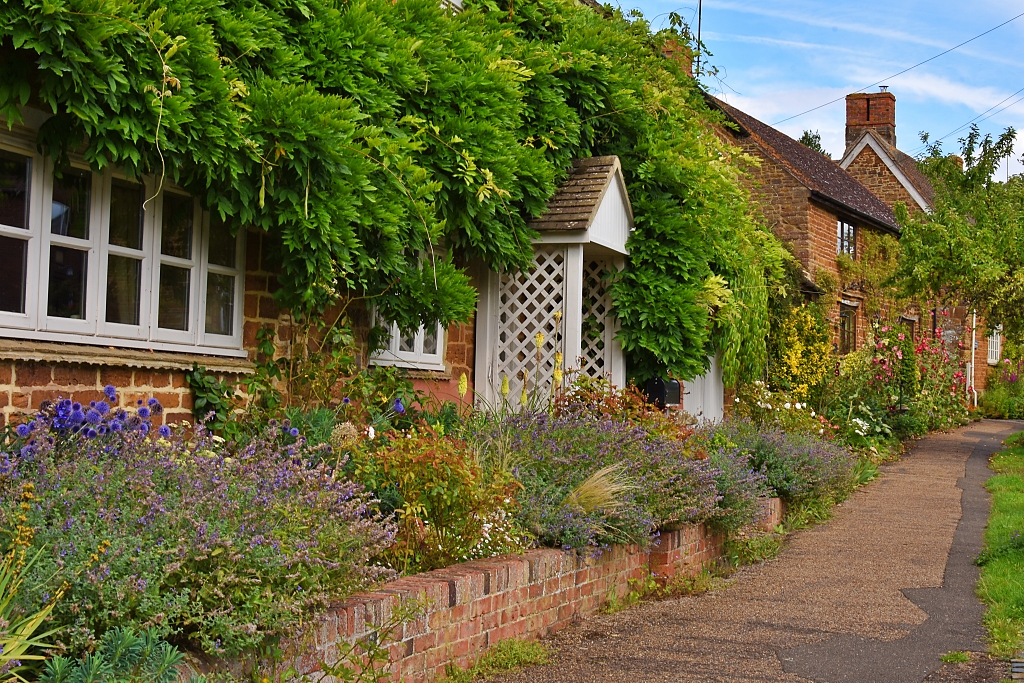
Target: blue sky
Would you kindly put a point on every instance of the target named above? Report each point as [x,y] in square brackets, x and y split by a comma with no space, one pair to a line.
[778,58]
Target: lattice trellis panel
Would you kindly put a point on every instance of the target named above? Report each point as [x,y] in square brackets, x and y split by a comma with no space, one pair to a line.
[527,304]
[596,340]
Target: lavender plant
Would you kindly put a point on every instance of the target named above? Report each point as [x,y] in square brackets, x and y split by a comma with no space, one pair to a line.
[587,482]
[163,529]
[796,465]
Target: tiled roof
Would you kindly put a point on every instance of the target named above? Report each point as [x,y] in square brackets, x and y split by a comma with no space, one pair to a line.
[815,171]
[574,204]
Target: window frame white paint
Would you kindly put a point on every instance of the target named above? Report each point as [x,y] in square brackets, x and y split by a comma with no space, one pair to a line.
[36,324]
[995,341]
[416,359]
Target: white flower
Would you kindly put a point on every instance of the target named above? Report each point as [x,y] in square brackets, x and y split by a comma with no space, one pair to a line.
[370,434]
[812,413]
[788,406]
[821,431]
[737,399]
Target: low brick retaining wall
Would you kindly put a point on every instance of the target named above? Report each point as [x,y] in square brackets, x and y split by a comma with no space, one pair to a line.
[473,605]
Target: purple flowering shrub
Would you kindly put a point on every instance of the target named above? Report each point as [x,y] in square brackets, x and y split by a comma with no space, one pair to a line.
[1004,396]
[797,465]
[739,487]
[168,531]
[653,481]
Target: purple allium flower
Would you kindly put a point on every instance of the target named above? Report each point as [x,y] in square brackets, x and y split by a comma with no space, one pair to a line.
[23,430]
[116,425]
[139,402]
[102,429]
[120,414]
[27,452]
[157,408]
[103,407]
[110,392]
[346,400]
[91,433]
[76,406]
[399,408]
[164,431]
[152,402]
[144,427]
[77,416]
[143,412]
[93,416]
[293,431]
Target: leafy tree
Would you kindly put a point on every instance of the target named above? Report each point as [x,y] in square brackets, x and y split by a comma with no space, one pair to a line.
[812,139]
[363,136]
[970,249]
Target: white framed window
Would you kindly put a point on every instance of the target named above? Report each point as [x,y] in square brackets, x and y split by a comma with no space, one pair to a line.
[105,259]
[995,346]
[420,349]
[846,238]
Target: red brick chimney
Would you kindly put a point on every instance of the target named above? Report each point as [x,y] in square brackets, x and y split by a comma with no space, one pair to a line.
[876,110]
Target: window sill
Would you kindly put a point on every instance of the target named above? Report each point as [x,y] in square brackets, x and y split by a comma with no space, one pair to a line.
[83,354]
[416,370]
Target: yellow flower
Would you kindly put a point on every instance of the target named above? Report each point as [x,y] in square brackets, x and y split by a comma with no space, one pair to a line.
[524,398]
[558,360]
[463,385]
[538,339]
[504,386]
[558,317]
[557,374]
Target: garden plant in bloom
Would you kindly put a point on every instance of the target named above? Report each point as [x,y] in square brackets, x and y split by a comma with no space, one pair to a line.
[168,530]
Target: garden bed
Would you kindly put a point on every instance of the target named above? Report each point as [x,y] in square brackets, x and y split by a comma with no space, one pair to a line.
[468,607]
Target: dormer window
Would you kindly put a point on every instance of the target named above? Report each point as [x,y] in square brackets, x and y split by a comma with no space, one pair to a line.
[846,234]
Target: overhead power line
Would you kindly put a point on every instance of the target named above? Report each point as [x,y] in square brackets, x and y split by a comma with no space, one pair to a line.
[978,119]
[889,78]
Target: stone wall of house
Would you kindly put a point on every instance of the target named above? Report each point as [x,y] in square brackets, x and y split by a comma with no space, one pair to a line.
[872,172]
[473,605]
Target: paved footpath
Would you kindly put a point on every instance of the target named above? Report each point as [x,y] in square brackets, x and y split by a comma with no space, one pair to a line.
[876,595]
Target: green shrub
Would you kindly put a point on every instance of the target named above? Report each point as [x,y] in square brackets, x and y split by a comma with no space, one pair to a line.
[449,507]
[122,657]
[797,465]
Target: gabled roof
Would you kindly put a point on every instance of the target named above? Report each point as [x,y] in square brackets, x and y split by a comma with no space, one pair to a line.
[575,203]
[827,181]
[903,167]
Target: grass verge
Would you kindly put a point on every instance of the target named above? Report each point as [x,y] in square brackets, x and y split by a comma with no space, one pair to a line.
[1001,586]
[506,656]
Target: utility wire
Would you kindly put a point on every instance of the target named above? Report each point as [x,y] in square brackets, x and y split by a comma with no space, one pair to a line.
[979,118]
[944,52]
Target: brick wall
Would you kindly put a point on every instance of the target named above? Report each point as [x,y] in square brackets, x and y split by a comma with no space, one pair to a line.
[471,606]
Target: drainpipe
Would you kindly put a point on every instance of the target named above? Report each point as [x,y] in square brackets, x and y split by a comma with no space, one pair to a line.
[974,353]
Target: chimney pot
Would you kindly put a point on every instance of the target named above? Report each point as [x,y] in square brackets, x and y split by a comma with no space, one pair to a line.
[871,111]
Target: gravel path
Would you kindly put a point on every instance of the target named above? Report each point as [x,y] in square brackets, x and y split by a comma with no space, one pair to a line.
[831,607]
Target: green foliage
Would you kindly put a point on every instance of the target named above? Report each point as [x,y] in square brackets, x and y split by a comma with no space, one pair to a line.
[745,549]
[449,507]
[211,395]
[359,135]
[1004,396]
[800,353]
[504,657]
[956,656]
[970,249]
[122,657]
[1002,562]
[812,139]
[22,645]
